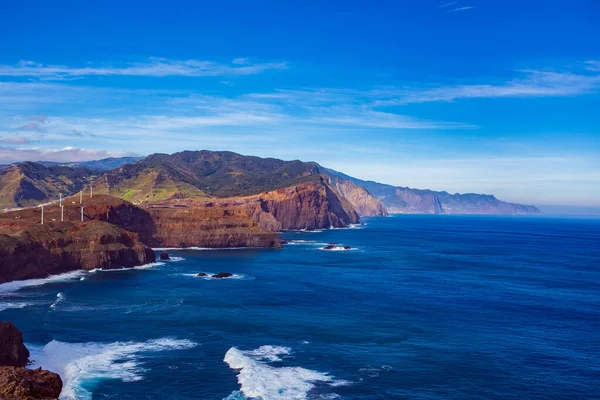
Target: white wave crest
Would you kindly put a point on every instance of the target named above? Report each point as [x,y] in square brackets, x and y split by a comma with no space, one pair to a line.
[209,277]
[258,380]
[145,266]
[14,286]
[82,365]
[59,297]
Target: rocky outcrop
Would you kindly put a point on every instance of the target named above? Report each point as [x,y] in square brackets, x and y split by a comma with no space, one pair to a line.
[313,205]
[12,350]
[17,382]
[184,223]
[26,384]
[363,202]
[222,275]
[30,250]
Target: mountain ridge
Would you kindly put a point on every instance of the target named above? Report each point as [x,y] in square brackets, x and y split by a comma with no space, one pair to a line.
[206,174]
[405,200]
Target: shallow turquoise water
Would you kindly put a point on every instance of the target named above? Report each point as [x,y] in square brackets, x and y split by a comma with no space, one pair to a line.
[423,307]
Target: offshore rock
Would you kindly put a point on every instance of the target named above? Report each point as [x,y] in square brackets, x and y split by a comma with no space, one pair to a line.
[222,275]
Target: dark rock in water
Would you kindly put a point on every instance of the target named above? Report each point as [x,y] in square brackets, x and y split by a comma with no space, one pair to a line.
[12,350]
[164,256]
[21,383]
[223,275]
[284,241]
[202,274]
[347,247]
[330,246]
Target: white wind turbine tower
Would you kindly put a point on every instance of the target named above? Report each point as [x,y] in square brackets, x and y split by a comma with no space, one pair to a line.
[82,207]
[60,203]
[42,214]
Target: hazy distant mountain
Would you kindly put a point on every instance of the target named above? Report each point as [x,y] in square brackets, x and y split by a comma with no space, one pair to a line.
[32,183]
[106,164]
[403,200]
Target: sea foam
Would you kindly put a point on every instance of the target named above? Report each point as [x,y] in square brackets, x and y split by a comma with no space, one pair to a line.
[11,287]
[82,365]
[259,380]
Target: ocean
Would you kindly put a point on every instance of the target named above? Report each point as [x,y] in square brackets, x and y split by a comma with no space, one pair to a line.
[421,307]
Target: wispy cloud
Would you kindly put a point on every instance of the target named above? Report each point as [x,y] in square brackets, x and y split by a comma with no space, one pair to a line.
[15,140]
[448,4]
[69,153]
[153,67]
[533,83]
[461,9]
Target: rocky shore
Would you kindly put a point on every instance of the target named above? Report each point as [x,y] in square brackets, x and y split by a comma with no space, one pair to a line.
[16,381]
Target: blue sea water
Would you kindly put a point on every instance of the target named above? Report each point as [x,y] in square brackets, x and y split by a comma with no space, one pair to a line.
[422,307]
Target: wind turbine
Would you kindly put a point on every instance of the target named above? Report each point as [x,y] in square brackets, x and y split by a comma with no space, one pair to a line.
[42,214]
[60,203]
[82,207]
[91,191]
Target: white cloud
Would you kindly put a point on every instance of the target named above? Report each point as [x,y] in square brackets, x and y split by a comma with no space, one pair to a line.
[155,67]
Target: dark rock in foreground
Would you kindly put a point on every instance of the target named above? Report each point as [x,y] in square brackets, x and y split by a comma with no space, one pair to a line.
[221,275]
[17,382]
[12,350]
[164,256]
[21,383]
[202,274]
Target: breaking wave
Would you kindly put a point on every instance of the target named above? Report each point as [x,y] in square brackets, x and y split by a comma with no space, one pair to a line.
[259,380]
[82,365]
[14,286]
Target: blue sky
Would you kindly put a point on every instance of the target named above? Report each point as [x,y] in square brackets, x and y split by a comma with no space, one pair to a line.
[489,96]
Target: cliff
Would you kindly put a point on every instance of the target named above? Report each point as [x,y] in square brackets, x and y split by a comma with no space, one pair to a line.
[313,205]
[184,224]
[404,200]
[363,202]
[17,382]
[29,250]
[13,352]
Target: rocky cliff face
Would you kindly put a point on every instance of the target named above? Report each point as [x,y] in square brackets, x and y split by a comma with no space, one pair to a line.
[17,382]
[312,205]
[32,251]
[363,202]
[13,352]
[185,223]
